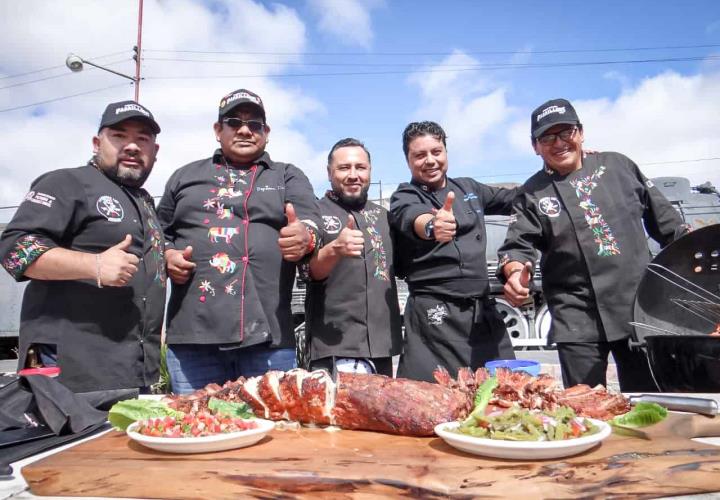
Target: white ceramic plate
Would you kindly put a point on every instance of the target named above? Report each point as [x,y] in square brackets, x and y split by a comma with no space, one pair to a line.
[204,444]
[521,450]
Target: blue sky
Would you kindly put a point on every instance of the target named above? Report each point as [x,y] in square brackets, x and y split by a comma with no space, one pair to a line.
[462,63]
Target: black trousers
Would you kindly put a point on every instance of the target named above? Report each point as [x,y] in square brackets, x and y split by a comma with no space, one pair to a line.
[587,362]
[451,332]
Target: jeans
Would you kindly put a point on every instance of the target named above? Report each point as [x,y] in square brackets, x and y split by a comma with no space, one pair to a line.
[193,366]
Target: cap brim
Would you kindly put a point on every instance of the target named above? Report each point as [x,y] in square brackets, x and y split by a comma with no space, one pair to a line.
[153,124]
[540,131]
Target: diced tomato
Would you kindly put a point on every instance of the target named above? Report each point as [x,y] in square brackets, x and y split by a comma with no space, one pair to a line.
[576,428]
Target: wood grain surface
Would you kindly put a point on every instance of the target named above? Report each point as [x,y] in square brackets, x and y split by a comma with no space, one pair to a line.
[355,464]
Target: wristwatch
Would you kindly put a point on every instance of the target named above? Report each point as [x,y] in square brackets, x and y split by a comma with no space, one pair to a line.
[430,229]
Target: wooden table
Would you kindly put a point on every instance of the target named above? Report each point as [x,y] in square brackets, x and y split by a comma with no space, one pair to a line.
[311,462]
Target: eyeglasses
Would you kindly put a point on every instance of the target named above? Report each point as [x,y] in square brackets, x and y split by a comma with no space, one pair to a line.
[565,135]
[255,126]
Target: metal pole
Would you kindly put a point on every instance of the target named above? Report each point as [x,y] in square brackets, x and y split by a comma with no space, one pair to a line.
[380,187]
[108,70]
[138,52]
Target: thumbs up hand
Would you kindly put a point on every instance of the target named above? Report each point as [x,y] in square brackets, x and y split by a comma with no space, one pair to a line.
[517,287]
[294,237]
[179,264]
[445,225]
[115,265]
[350,241]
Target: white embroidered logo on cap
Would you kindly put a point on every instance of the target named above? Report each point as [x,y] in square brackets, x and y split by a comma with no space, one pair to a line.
[549,110]
[132,107]
[550,206]
[110,208]
[242,95]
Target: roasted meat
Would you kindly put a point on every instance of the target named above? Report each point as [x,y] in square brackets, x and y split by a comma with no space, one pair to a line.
[397,406]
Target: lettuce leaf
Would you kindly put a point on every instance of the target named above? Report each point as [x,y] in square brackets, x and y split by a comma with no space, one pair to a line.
[642,415]
[124,413]
[238,410]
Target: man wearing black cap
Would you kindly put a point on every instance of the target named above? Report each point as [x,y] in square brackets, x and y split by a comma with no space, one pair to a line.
[89,240]
[236,224]
[587,215]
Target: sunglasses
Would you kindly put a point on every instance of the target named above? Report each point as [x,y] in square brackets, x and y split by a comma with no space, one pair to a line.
[255,126]
[565,135]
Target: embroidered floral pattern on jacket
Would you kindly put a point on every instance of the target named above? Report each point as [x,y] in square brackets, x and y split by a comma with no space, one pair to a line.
[602,234]
[27,250]
[377,249]
[156,241]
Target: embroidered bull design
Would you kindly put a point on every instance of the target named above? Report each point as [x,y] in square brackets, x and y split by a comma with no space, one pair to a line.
[221,261]
[222,233]
[228,193]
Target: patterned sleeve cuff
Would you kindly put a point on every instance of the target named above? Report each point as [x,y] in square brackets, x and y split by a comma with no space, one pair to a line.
[315,241]
[26,251]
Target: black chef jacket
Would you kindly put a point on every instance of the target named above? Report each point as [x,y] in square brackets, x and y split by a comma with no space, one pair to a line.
[354,312]
[106,338]
[588,225]
[457,268]
[241,289]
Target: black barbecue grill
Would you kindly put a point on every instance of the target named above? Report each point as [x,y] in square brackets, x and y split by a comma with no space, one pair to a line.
[677,306]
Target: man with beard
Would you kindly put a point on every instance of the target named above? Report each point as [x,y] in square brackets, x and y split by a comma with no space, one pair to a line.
[351,307]
[587,215]
[236,225]
[450,320]
[89,241]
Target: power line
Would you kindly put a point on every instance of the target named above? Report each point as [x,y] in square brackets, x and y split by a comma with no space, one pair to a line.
[416,64]
[492,52]
[62,98]
[459,69]
[57,67]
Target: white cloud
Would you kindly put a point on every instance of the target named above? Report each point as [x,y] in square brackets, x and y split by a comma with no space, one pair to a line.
[665,118]
[38,34]
[347,20]
[470,106]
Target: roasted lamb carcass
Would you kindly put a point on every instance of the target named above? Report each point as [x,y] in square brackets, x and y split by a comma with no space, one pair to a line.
[355,401]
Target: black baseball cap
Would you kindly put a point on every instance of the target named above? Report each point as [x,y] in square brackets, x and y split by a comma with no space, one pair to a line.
[551,113]
[238,97]
[117,112]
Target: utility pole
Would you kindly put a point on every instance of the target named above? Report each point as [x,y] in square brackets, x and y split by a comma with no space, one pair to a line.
[138,51]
